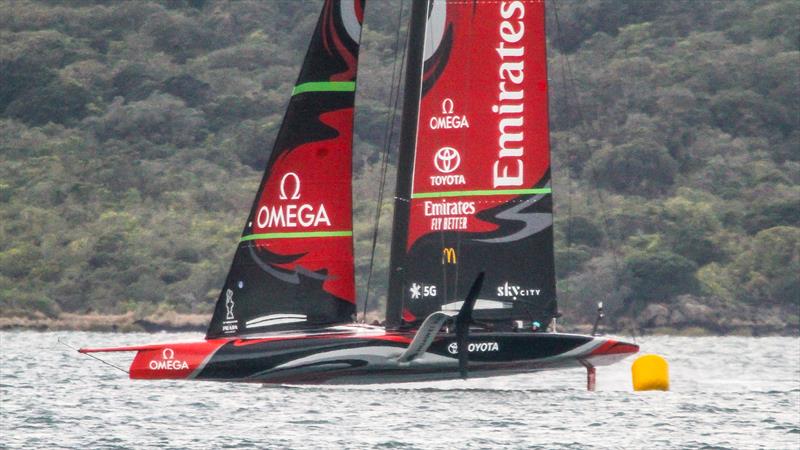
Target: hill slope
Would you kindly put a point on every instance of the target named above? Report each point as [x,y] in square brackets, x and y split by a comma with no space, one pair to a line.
[133,135]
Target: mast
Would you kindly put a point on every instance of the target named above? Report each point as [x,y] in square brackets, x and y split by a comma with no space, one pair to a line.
[405,163]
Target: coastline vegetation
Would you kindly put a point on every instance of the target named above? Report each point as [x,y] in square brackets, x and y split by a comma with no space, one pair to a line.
[133,136]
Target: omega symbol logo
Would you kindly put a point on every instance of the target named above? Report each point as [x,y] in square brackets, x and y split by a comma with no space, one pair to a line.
[296,193]
[168,354]
[447,106]
[447,159]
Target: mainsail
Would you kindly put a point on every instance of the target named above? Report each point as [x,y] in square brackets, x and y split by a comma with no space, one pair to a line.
[473,189]
[294,263]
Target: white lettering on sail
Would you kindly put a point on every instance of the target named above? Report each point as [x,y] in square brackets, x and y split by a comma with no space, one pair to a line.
[445,208]
[442,211]
[448,120]
[508,168]
[292,215]
[447,180]
[514,291]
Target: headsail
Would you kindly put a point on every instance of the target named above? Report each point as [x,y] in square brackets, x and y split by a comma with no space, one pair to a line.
[294,263]
[474,172]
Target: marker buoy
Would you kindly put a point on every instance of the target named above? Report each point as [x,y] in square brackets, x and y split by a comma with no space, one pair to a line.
[650,373]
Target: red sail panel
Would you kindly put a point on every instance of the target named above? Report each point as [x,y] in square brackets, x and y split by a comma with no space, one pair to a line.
[305,208]
[482,136]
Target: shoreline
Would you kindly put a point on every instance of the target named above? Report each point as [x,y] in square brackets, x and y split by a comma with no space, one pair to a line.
[174,322]
[119,323]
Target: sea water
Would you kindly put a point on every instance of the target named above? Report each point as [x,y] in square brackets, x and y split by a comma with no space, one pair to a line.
[726,392]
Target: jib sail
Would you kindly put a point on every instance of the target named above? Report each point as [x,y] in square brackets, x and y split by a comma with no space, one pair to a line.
[293,267]
[473,190]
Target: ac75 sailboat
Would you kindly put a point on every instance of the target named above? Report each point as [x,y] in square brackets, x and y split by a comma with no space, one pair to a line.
[472,279]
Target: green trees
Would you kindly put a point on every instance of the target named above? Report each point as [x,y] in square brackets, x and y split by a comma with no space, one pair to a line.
[160,119]
[638,167]
[659,275]
[57,102]
[767,271]
[132,136]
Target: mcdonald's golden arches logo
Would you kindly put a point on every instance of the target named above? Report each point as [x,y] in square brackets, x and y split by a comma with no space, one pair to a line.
[449,256]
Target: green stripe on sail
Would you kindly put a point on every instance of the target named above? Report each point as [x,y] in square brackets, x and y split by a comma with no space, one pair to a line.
[298,234]
[325,86]
[481,192]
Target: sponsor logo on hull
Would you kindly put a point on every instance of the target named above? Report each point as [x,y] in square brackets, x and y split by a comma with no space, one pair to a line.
[475,347]
[168,362]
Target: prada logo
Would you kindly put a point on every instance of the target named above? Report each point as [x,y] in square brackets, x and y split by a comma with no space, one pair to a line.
[449,256]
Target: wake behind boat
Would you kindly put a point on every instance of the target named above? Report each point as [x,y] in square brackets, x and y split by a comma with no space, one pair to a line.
[472,276]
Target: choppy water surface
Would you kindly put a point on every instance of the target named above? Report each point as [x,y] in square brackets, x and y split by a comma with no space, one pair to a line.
[726,393]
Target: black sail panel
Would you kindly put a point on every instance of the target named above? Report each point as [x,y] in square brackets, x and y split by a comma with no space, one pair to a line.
[474,192]
[293,267]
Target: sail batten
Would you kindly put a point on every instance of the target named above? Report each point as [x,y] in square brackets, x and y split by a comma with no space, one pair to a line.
[481,193]
[296,235]
[324,86]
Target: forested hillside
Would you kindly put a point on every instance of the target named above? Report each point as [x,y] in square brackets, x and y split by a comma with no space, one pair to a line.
[133,136]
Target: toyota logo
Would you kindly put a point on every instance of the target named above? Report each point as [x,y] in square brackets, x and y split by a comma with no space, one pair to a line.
[447,159]
[453,348]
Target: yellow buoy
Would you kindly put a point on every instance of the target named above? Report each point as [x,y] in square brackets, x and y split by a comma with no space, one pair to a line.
[650,373]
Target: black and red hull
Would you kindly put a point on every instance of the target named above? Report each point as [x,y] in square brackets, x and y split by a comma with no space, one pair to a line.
[366,355]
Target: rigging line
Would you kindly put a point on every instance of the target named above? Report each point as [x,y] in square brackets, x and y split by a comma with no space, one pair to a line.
[444,297]
[92,356]
[570,87]
[394,95]
[570,190]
